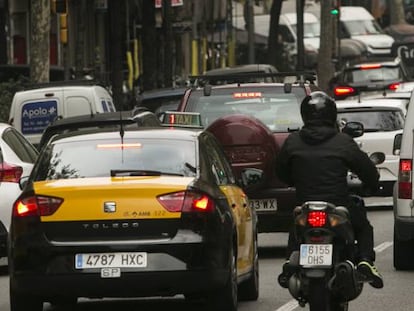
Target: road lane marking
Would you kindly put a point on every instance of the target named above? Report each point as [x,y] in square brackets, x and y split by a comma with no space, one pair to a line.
[382,247]
[289,306]
[293,304]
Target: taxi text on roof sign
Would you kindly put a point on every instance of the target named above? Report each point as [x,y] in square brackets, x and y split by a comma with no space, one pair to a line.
[185,119]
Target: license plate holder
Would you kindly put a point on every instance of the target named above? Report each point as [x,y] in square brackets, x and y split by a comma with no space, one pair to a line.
[263,205]
[110,273]
[319,255]
[111,260]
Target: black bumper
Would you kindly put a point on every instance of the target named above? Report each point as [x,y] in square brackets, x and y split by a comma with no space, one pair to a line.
[144,284]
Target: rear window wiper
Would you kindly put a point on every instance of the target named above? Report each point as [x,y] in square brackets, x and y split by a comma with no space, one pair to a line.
[120,173]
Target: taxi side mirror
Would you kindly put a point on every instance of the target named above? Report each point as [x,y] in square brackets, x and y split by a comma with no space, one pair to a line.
[23,182]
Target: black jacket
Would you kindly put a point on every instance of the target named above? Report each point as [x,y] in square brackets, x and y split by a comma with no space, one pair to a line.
[316,160]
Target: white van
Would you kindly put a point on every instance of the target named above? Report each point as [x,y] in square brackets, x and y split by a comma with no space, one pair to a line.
[357,23]
[403,196]
[33,110]
[288,34]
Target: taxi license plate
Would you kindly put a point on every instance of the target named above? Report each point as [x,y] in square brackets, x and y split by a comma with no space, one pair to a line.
[264,205]
[315,254]
[111,260]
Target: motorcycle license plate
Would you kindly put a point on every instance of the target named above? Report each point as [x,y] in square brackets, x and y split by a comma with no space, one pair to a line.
[316,255]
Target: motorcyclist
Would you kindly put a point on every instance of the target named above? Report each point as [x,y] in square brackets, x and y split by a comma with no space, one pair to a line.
[316,161]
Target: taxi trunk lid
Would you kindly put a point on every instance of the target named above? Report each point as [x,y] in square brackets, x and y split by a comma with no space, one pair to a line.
[119,208]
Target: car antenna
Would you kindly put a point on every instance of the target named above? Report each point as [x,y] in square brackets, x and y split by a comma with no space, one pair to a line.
[121,130]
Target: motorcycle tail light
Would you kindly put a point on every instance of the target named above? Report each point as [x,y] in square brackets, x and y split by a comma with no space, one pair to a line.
[405,179]
[36,206]
[317,218]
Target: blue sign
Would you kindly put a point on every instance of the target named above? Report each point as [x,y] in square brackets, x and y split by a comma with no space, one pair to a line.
[36,116]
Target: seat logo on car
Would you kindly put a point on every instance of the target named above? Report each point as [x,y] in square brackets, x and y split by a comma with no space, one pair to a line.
[109,207]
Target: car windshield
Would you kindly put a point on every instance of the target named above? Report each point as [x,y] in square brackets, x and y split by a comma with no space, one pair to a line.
[279,111]
[310,30]
[362,27]
[97,158]
[372,75]
[375,121]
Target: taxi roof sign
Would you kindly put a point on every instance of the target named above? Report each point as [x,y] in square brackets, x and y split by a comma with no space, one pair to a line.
[182,119]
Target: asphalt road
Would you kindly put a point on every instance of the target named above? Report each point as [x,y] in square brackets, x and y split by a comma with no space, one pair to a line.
[397,294]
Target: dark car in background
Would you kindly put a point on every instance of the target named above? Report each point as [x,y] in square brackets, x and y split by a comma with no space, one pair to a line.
[240,73]
[139,117]
[160,100]
[251,121]
[368,77]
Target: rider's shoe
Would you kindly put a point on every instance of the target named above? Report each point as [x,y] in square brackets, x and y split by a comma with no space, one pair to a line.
[368,269]
[283,278]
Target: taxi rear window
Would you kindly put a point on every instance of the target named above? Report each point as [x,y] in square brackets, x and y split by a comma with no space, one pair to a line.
[97,158]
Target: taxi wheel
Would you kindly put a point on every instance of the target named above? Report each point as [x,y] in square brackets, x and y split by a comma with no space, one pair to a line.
[24,302]
[225,299]
[249,289]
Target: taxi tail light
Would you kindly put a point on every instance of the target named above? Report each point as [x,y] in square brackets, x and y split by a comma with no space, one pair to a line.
[186,201]
[344,91]
[10,172]
[405,179]
[317,219]
[36,206]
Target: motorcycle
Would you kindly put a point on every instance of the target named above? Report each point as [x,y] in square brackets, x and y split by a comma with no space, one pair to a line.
[323,270]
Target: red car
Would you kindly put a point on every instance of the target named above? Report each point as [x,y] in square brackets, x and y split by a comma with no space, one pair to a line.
[252,120]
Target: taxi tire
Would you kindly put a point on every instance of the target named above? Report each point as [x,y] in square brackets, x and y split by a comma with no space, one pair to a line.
[249,289]
[24,302]
[225,299]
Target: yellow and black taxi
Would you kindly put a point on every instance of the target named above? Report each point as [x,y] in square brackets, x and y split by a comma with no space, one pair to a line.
[128,213]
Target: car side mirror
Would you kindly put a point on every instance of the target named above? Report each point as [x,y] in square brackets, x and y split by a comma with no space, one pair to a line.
[23,182]
[251,178]
[396,148]
[353,129]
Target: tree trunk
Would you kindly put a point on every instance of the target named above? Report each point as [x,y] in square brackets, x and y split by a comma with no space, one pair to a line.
[40,41]
[168,42]
[116,52]
[149,51]
[397,15]
[325,67]
[274,46]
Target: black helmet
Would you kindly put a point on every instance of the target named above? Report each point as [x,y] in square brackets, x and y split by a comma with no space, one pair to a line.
[318,106]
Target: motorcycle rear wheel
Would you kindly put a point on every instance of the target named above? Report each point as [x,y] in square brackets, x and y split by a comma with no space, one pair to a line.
[321,299]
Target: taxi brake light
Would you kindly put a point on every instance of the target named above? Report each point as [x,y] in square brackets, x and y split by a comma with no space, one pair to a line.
[317,218]
[343,90]
[405,179]
[119,146]
[36,206]
[369,66]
